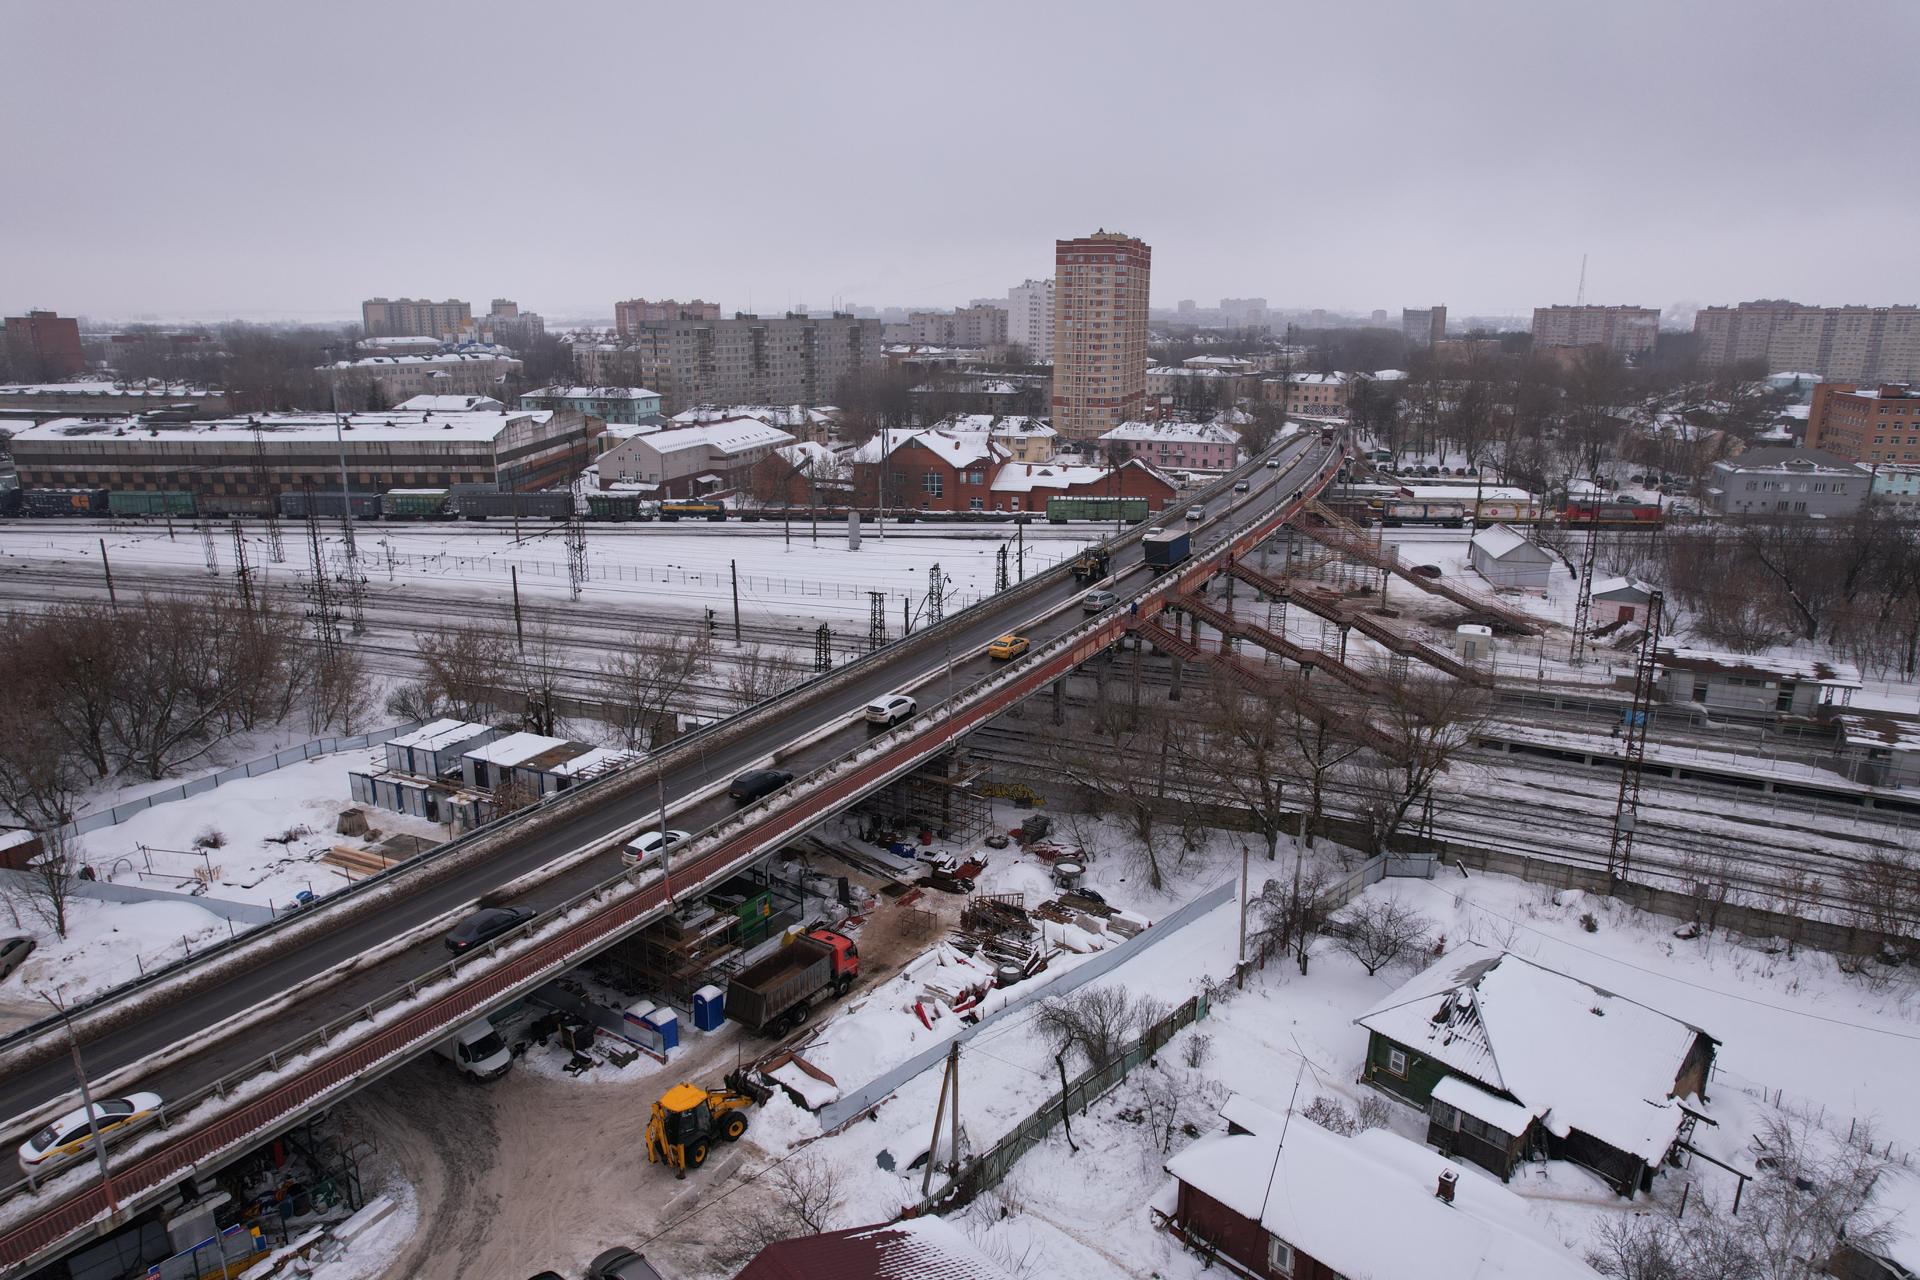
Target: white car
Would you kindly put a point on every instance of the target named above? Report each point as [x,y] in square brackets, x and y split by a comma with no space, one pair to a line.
[890,710]
[648,845]
[70,1137]
[1196,513]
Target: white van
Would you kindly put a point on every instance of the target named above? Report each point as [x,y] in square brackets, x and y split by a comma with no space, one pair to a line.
[477,1051]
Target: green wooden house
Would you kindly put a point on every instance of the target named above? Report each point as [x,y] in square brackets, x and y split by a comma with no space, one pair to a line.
[1512,1060]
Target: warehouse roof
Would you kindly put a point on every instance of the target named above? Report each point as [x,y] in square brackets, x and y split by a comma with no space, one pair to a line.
[1500,542]
[1183,432]
[925,1248]
[444,358]
[737,435]
[391,424]
[135,390]
[1716,662]
[591,393]
[440,733]
[450,404]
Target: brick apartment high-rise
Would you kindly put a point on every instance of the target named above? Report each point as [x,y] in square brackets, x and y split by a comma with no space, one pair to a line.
[44,344]
[1099,332]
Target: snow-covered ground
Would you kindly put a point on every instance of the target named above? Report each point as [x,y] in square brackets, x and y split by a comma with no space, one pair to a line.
[672,568]
[108,943]
[1798,1025]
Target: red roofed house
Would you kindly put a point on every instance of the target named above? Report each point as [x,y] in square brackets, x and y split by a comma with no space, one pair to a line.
[1026,486]
[912,1249]
[927,470]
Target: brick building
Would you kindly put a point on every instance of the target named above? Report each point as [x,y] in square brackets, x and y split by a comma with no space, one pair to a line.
[44,344]
[689,461]
[637,312]
[1026,486]
[1871,425]
[1178,446]
[226,457]
[927,470]
[1099,332]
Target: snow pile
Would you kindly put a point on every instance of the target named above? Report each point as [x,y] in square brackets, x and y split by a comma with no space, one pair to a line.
[780,1124]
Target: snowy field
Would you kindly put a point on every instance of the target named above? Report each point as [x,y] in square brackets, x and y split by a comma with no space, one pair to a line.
[633,568]
[272,831]
[1837,1047]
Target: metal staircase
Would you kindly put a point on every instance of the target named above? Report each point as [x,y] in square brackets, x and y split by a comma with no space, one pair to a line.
[1338,533]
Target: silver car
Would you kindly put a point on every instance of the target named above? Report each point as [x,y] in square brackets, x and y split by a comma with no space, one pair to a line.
[1098,601]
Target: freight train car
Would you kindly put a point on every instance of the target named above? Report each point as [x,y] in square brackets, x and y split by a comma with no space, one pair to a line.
[693,509]
[616,507]
[63,502]
[151,502]
[415,504]
[1443,515]
[226,505]
[1131,510]
[550,504]
[325,503]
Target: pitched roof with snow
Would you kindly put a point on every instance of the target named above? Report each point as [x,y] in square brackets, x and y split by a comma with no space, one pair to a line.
[1621,589]
[1182,432]
[737,435]
[955,448]
[997,424]
[1581,1057]
[591,393]
[1365,1205]
[450,404]
[1500,541]
[1718,662]
[927,1248]
[774,415]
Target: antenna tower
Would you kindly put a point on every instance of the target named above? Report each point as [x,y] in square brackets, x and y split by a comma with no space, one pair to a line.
[576,537]
[242,571]
[270,494]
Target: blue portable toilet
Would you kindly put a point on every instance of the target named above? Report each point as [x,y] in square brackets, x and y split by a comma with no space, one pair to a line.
[667,1023]
[709,1008]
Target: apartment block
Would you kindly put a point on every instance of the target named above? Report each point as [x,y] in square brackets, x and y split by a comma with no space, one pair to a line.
[1630,331]
[415,317]
[1423,326]
[1030,318]
[795,359]
[980,327]
[1857,344]
[1100,332]
[1874,425]
[44,344]
[632,314]
[398,378]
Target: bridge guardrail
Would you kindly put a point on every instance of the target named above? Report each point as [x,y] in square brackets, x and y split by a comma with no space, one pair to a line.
[788,812]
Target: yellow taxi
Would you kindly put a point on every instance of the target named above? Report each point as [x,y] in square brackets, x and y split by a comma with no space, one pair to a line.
[1008,647]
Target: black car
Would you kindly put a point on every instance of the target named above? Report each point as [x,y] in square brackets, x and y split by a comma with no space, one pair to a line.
[482,925]
[621,1264]
[755,783]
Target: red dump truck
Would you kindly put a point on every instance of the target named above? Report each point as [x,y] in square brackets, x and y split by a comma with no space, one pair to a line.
[777,992]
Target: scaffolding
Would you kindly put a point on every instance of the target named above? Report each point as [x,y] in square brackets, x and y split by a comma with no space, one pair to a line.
[943,797]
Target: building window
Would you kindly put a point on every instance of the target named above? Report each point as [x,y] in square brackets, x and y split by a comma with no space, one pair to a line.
[975,504]
[934,483]
[1279,1256]
[1397,1061]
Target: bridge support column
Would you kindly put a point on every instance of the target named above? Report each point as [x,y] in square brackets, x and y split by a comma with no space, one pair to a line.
[1060,700]
[1138,645]
[1173,691]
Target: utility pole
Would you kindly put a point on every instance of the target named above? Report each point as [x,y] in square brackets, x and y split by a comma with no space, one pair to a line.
[519,629]
[733,567]
[113,601]
[1626,808]
[86,1101]
[242,571]
[1240,952]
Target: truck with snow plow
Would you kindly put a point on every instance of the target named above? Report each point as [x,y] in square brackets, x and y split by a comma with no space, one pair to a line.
[775,993]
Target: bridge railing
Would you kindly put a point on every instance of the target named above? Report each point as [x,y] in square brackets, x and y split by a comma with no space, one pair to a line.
[363,1045]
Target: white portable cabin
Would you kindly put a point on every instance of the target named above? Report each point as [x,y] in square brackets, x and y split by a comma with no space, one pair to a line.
[1506,558]
[434,750]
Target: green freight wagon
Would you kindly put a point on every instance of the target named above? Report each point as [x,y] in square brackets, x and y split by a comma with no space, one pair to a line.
[1131,510]
[415,504]
[614,506]
[141,502]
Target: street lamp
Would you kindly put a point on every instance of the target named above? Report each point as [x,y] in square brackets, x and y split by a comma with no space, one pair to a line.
[86,1100]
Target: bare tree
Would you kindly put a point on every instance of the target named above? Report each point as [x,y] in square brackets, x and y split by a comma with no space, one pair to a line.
[1097,1022]
[757,673]
[800,1197]
[643,685]
[1288,915]
[467,668]
[1380,931]
[1432,719]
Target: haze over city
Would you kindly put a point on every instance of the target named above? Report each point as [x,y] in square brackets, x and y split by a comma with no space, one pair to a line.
[229,159]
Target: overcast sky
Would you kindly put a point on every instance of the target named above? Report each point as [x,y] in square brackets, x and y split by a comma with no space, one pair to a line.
[259,158]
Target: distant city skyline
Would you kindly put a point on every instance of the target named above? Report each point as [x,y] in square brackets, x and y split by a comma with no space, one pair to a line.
[1457,164]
